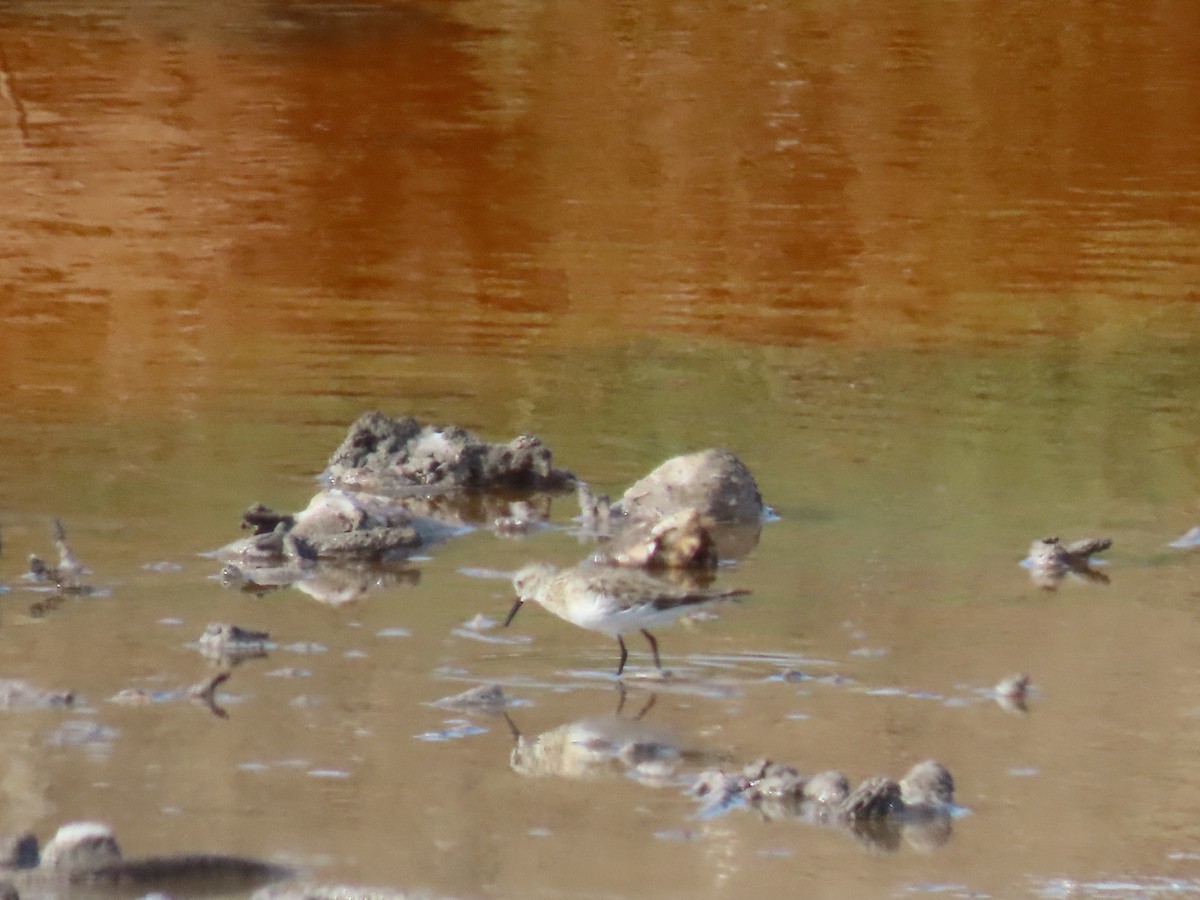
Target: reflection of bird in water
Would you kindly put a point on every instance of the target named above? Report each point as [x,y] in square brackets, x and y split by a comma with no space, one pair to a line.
[1050,561]
[605,746]
[334,582]
[612,601]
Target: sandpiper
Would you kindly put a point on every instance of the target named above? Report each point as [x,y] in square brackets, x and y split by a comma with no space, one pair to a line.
[610,600]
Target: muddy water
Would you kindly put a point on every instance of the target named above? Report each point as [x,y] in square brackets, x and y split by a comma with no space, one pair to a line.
[930,269]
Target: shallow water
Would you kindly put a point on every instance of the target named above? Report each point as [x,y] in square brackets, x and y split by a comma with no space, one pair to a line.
[929,269]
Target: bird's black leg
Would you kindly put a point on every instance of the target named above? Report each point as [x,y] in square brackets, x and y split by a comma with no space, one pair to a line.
[654,647]
[624,656]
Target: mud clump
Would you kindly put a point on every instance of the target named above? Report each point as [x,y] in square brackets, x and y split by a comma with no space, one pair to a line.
[334,525]
[714,483]
[685,514]
[1050,561]
[402,454]
[880,811]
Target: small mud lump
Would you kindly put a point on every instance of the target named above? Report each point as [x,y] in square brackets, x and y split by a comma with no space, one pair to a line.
[714,483]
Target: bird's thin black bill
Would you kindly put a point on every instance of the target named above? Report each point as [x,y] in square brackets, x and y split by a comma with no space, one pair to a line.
[512,612]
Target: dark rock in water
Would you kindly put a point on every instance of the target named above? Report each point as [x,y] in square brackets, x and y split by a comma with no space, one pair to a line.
[714,483]
[399,454]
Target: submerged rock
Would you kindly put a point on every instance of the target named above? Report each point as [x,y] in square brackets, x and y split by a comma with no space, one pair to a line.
[401,454]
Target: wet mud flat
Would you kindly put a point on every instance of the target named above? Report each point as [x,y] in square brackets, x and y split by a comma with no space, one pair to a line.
[727,738]
[354,540]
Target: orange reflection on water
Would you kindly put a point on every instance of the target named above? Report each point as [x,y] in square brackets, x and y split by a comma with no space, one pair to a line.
[177,186]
